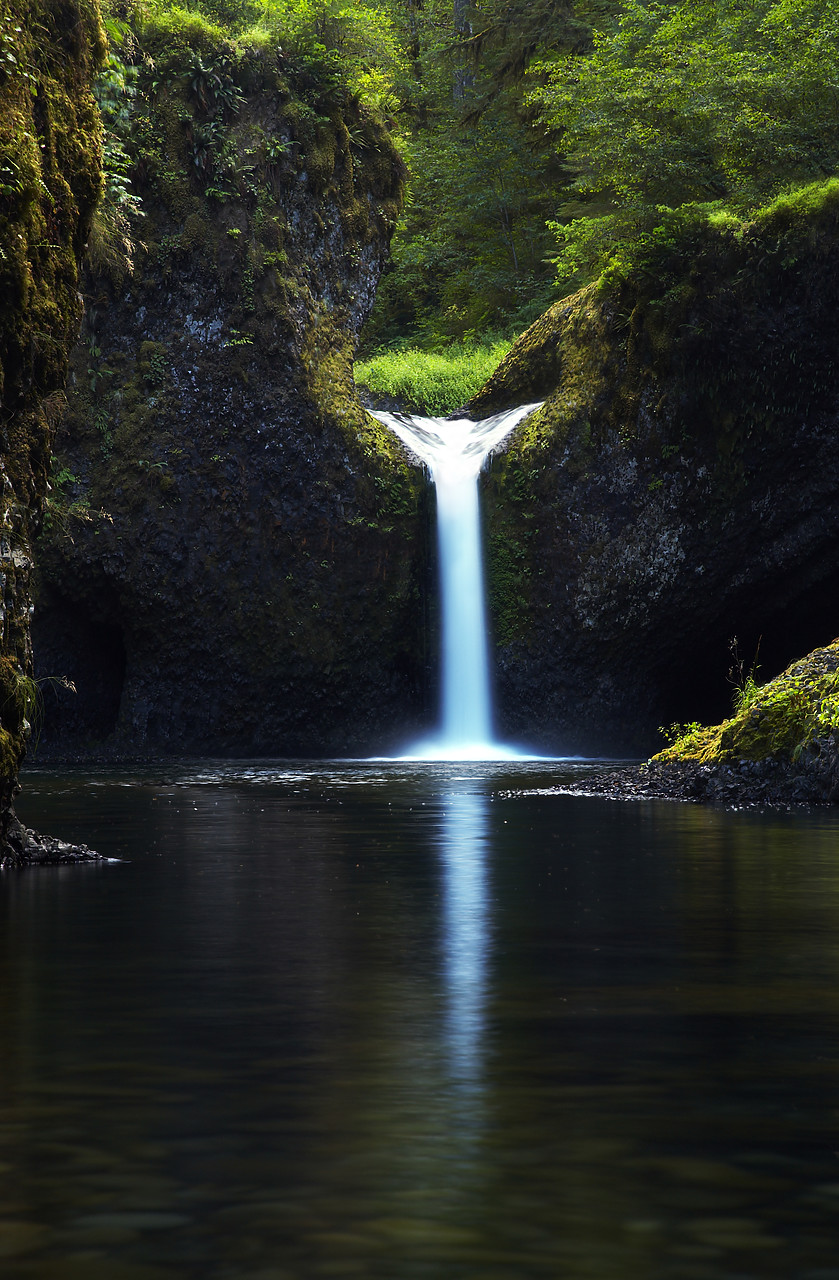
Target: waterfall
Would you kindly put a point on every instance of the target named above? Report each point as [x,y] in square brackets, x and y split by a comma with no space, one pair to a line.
[455,450]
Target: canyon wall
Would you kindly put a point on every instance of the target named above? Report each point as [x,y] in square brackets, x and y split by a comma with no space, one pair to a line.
[680,486]
[249,577]
[50,180]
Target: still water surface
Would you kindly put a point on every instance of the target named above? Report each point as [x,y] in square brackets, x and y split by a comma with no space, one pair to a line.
[387,1020]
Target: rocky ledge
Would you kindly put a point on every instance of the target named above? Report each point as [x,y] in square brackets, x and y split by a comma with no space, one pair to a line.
[813,779]
[27,848]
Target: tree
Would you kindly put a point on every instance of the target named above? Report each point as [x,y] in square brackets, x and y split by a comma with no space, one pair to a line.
[722,102]
[471,250]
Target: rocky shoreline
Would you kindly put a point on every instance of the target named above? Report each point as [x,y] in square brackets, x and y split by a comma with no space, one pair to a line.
[813,779]
[27,848]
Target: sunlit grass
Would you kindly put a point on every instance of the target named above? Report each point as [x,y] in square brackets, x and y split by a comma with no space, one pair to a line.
[434,382]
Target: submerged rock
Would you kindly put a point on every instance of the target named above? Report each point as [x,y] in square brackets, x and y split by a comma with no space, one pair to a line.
[679,487]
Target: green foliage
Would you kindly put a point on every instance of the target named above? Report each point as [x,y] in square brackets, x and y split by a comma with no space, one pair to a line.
[211,85]
[824,715]
[113,243]
[746,694]
[20,698]
[341,44]
[354,43]
[193,75]
[469,252]
[637,130]
[433,382]
[700,106]
[744,682]
[509,34]
[685,734]
[64,504]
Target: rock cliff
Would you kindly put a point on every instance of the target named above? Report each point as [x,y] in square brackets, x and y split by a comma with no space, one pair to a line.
[679,487]
[254,584]
[50,178]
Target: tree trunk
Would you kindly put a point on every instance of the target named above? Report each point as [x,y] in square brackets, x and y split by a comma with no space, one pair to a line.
[463,79]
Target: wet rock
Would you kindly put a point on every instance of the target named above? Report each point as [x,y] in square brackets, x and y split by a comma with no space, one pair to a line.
[774,783]
[679,487]
[28,848]
[256,585]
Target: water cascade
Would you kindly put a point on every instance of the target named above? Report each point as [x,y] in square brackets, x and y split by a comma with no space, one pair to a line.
[455,451]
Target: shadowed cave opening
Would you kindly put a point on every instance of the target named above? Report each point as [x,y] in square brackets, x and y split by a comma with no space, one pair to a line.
[89,652]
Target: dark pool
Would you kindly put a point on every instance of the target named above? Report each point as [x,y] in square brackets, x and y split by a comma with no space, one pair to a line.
[385,1020]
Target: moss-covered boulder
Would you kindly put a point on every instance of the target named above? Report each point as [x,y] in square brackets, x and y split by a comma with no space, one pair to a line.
[680,485]
[781,745]
[254,583]
[781,719]
[50,179]
[779,748]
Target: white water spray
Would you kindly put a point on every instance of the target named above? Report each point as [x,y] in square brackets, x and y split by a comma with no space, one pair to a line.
[455,451]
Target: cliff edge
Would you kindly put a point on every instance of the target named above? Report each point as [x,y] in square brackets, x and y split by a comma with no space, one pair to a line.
[249,580]
[50,182]
[679,487]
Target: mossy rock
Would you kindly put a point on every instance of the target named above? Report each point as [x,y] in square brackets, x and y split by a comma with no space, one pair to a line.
[780,720]
[50,182]
[684,464]
[260,588]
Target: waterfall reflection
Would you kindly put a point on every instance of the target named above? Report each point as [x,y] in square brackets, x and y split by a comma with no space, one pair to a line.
[466,930]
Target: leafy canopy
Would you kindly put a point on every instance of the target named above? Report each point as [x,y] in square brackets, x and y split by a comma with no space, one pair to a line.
[706,101]
[358,39]
[356,44]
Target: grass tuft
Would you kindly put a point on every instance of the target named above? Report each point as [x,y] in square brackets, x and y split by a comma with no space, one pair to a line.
[433,382]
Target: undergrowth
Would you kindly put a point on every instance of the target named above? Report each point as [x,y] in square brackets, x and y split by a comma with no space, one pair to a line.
[436,382]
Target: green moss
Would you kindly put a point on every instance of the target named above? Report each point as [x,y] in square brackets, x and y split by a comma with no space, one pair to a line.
[321,157]
[170,31]
[783,715]
[326,366]
[510,583]
[798,210]
[50,181]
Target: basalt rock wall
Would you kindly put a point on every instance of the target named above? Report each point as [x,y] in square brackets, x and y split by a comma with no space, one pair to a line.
[50,178]
[248,576]
[680,486]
